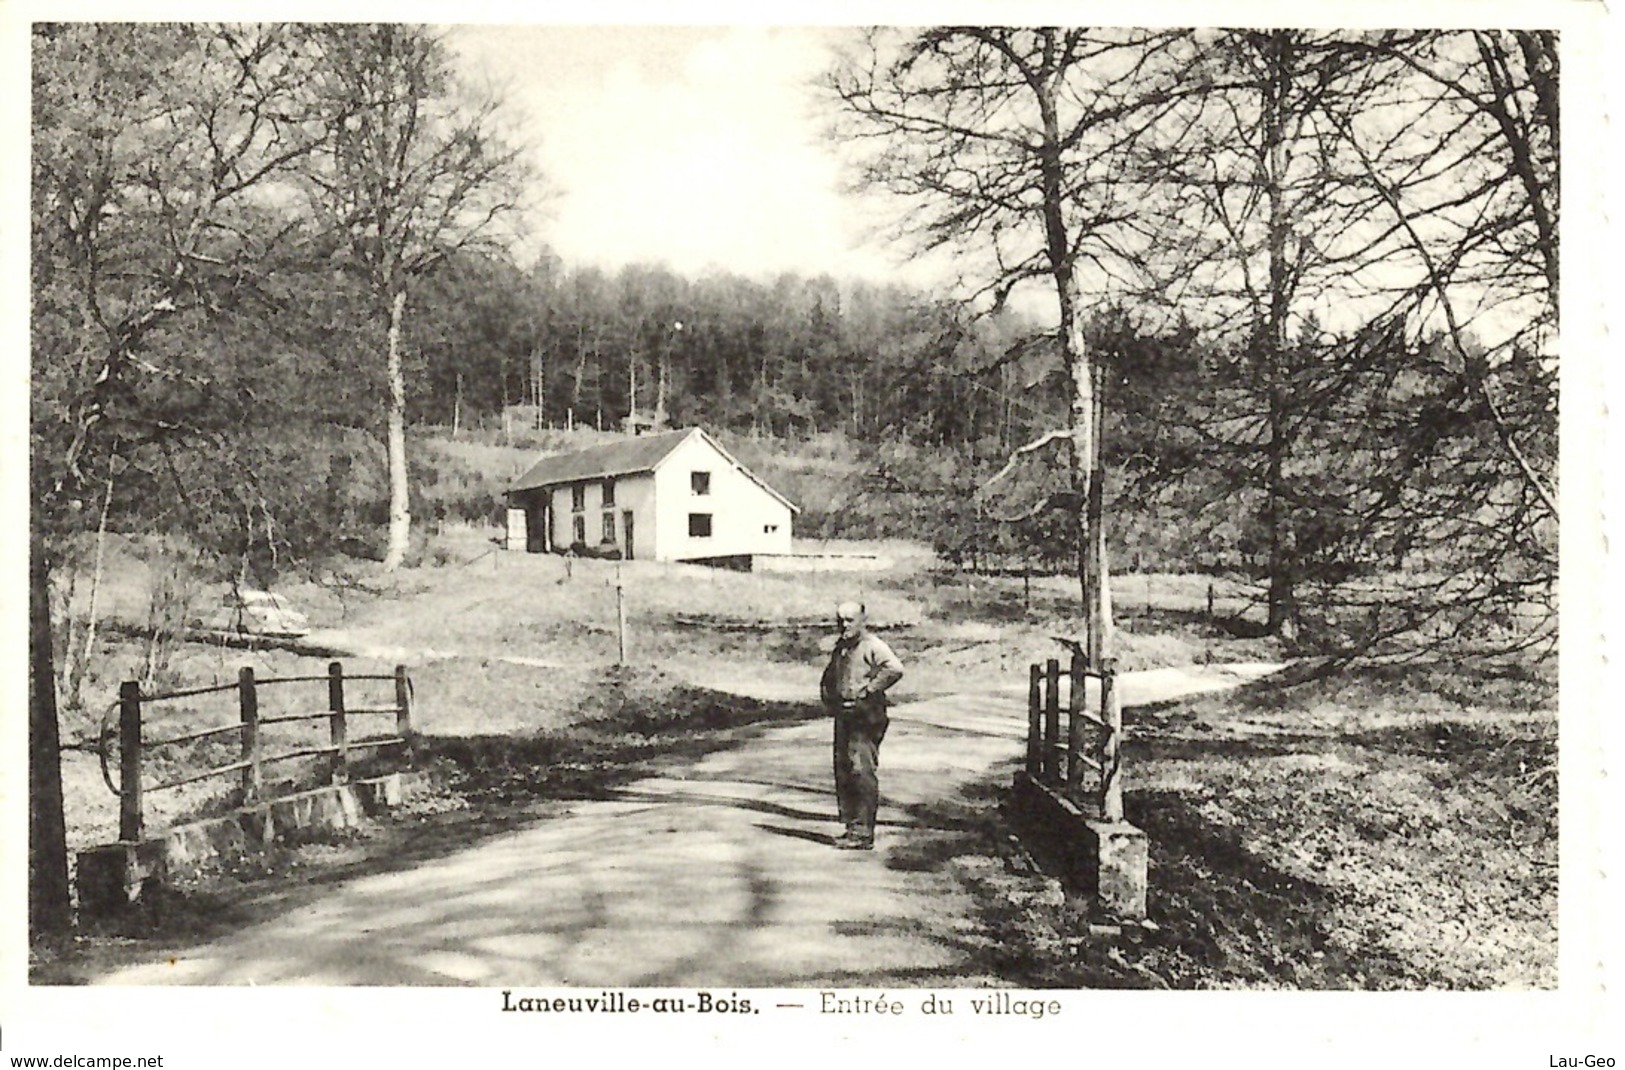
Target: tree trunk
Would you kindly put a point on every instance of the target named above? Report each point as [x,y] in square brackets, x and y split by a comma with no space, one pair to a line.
[631,390]
[1282,598]
[457,407]
[662,372]
[581,368]
[1082,457]
[49,907]
[1085,407]
[1283,614]
[1087,469]
[77,666]
[400,513]
[1100,604]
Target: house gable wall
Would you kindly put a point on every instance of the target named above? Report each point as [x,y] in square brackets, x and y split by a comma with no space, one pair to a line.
[745,517]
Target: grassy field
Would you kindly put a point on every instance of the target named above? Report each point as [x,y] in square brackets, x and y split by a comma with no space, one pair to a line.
[502,642]
[1379,829]
[1391,828]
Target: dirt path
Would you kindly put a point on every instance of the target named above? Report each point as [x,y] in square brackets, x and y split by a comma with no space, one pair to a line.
[717,874]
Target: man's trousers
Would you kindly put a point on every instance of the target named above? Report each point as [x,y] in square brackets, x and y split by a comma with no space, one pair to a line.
[858,732]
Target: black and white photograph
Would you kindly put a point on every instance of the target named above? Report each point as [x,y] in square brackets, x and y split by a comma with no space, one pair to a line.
[953,528]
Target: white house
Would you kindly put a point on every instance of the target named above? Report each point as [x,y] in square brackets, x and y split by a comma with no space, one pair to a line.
[673,496]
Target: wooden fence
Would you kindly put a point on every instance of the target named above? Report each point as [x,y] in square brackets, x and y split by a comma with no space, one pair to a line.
[1086,765]
[135,748]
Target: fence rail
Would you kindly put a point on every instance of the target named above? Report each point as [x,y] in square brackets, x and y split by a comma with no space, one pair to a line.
[1086,763]
[134,750]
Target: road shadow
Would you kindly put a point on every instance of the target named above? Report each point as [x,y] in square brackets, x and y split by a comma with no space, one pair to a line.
[664,795]
[961,824]
[820,838]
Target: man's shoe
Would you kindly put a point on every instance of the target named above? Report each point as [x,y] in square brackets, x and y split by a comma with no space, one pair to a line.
[850,842]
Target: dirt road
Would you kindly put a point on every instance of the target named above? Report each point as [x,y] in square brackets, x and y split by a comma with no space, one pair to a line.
[719,873]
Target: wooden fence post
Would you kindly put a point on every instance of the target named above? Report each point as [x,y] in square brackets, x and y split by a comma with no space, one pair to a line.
[620,617]
[1035,726]
[129,721]
[1052,719]
[1074,725]
[403,703]
[335,705]
[1111,711]
[248,702]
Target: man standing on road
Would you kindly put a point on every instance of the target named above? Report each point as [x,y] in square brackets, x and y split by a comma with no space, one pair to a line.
[853,689]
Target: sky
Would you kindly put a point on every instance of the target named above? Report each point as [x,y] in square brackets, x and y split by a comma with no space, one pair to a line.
[697,147]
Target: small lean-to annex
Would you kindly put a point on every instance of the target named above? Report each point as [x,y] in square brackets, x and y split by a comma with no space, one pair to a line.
[670,496]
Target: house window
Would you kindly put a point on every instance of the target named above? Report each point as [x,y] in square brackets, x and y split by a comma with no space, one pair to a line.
[609,527]
[578,497]
[609,493]
[580,529]
[700,482]
[768,529]
[699,525]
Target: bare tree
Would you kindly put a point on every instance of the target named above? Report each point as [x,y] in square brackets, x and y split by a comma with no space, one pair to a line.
[147,198]
[1470,180]
[1482,223]
[420,170]
[1345,201]
[1010,145]
[1322,208]
[1264,232]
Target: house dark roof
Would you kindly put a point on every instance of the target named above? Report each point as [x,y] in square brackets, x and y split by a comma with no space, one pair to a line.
[623,458]
[627,457]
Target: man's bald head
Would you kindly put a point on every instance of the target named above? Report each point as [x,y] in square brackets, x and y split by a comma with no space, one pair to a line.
[850,618]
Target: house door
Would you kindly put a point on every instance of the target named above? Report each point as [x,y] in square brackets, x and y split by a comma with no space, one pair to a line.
[626,522]
[536,529]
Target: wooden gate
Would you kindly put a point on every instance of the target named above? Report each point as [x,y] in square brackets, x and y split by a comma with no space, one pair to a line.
[1085,765]
[253,752]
